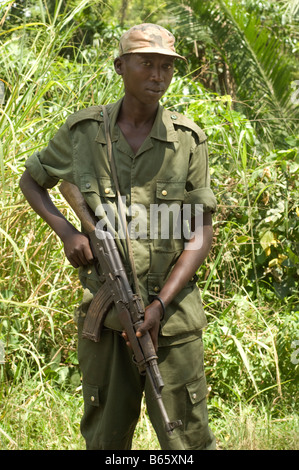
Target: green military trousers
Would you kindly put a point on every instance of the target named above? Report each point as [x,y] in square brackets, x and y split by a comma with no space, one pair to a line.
[113,390]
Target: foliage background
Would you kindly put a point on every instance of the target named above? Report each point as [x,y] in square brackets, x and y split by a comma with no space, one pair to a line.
[241,86]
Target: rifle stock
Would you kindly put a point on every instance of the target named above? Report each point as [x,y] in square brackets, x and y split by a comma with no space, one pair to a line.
[75,199]
[116,290]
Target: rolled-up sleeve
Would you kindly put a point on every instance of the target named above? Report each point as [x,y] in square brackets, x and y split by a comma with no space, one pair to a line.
[198,191]
[55,162]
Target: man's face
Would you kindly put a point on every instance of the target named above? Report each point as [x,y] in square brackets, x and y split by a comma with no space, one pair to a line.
[146,77]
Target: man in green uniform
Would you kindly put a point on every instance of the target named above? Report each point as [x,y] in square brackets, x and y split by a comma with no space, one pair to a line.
[162,163]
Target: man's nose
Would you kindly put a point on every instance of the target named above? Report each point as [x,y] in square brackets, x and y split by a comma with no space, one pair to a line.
[157,73]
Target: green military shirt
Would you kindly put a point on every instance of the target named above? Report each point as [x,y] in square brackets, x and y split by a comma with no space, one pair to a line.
[169,170]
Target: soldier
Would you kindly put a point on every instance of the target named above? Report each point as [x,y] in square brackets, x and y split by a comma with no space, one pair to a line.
[161,159]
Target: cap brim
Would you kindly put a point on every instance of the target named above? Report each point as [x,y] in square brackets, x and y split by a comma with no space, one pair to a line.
[154,50]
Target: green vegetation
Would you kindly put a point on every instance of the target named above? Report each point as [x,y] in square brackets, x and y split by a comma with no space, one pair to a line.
[56,57]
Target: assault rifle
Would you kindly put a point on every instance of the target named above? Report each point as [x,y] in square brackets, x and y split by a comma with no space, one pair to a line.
[116,290]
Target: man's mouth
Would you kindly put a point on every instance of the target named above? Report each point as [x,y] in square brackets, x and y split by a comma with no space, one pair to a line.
[155,90]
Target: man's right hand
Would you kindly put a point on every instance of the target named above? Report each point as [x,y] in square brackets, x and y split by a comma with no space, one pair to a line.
[76,244]
[77,250]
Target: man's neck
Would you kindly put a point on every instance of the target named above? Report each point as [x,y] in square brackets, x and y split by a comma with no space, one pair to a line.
[137,115]
[136,122]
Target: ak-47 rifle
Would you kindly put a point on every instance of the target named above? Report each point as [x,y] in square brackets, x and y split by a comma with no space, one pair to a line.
[116,290]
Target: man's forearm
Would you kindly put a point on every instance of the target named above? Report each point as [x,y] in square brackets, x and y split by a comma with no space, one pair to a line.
[189,262]
[76,244]
[185,267]
[42,204]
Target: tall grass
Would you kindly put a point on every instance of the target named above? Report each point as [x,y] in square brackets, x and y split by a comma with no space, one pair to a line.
[251,377]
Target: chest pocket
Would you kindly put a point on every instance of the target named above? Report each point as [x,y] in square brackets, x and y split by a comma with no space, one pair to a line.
[166,214]
[100,195]
[102,186]
[170,191]
[96,191]
[106,187]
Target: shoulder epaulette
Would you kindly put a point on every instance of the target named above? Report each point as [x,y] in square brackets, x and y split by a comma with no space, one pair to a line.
[181,120]
[93,112]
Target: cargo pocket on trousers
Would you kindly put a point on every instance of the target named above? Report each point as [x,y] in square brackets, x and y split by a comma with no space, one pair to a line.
[91,395]
[197,390]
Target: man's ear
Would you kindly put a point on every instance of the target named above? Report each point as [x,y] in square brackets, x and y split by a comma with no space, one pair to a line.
[118,65]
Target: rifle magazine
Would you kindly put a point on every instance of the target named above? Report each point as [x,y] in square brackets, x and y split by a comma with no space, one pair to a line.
[96,314]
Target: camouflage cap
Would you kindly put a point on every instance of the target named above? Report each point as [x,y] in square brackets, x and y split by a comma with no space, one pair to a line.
[148,37]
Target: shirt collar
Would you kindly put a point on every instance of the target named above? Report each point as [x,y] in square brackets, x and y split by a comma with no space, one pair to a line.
[163,128]
[112,110]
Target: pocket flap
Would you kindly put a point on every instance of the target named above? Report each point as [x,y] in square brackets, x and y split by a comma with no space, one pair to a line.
[197,390]
[91,394]
[155,283]
[170,190]
[102,186]
[88,183]
[106,186]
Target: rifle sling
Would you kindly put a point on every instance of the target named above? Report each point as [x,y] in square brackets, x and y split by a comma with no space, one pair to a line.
[120,201]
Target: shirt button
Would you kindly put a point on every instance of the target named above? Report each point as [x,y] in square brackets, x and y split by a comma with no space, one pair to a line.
[87,186]
[92,398]
[194,395]
[89,271]
[164,192]
[156,288]
[174,117]
[107,190]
